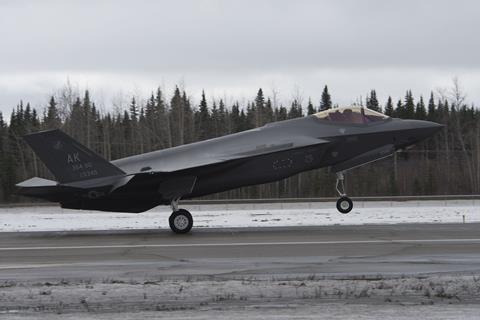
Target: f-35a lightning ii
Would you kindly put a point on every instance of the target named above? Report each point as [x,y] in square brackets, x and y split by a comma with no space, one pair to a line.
[339,138]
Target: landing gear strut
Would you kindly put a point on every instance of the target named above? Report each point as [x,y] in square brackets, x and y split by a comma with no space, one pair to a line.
[344,204]
[180,220]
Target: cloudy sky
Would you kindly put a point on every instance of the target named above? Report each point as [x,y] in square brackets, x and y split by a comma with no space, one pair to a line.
[231,48]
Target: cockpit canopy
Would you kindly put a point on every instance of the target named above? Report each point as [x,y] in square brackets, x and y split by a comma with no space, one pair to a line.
[353,114]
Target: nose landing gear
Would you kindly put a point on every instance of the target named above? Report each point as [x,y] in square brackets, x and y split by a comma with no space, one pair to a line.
[344,204]
[180,221]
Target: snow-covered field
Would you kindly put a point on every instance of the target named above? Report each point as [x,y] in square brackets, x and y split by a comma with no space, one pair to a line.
[436,297]
[53,218]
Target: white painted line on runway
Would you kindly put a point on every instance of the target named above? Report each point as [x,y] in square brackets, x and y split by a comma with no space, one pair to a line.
[241,244]
[37,266]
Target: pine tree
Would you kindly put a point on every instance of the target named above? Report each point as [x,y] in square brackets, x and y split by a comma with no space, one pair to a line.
[400,110]
[310,107]
[281,114]
[177,118]
[268,112]
[389,107]
[235,118]
[409,106]
[162,131]
[189,123]
[52,118]
[133,110]
[326,100]
[223,123]
[420,111]
[250,116]
[372,101]
[295,110]
[431,108]
[75,123]
[245,124]
[215,121]
[203,120]
[259,108]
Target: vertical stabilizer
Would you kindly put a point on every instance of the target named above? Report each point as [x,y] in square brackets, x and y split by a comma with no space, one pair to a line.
[67,159]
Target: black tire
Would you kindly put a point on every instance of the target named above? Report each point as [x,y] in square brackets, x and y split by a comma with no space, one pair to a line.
[344,205]
[181,221]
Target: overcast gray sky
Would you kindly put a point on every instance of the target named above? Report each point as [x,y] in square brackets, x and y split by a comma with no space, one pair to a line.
[231,48]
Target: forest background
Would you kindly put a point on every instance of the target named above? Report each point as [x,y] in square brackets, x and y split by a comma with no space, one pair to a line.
[448,163]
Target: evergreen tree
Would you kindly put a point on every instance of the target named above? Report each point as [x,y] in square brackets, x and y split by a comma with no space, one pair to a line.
[326,100]
[268,112]
[282,114]
[389,107]
[215,121]
[223,123]
[295,110]
[235,120]
[177,118]
[400,110]
[420,111]
[250,116]
[259,108]
[431,108]
[372,101]
[409,106]
[310,107]
[52,119]
[245,124]
[162,131]
[133,110]
[203,119]
[75,123]
[189,123]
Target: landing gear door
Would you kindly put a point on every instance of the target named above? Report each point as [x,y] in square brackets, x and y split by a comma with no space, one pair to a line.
[364,158]
[176,187]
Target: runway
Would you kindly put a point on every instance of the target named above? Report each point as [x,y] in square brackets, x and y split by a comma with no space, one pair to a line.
[330,251]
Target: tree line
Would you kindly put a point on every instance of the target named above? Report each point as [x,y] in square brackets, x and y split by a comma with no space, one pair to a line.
[448,163]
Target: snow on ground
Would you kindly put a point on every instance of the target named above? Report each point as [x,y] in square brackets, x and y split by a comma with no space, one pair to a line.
[332,311]
[274,299]
[52,218]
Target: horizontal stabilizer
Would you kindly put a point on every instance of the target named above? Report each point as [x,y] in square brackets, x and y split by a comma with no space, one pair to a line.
[41,188]
[36,182]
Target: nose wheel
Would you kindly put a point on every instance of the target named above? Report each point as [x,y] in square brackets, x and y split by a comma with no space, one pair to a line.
[180,221]
[344,204]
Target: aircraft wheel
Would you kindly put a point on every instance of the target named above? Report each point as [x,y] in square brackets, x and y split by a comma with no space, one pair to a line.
[181,221]
[344,205]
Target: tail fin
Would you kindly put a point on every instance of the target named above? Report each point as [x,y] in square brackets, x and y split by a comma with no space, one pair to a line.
[68,160]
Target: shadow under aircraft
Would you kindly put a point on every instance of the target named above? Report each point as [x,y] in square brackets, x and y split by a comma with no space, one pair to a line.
[339,138]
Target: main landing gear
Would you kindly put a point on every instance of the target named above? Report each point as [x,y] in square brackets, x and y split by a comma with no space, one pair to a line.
[344,204]
[181,221]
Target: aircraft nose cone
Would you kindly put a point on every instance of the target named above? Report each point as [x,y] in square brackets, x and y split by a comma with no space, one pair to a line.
[413,131]
[418,130]
[425,128]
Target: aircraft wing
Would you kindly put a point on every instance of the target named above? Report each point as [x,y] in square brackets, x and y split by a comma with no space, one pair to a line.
[294,143]
[177,162]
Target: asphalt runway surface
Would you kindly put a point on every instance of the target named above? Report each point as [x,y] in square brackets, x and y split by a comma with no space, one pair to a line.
[336,251]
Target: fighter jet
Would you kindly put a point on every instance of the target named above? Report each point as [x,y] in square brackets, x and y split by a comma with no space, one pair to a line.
[338,138]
